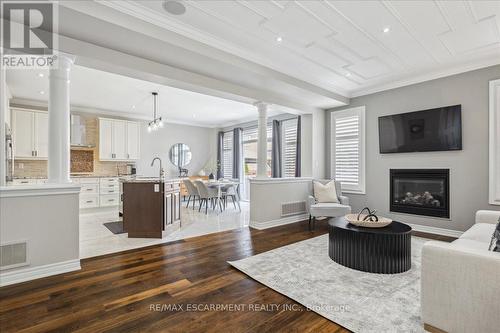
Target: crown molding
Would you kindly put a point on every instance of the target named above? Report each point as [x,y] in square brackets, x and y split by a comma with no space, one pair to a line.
[429,76]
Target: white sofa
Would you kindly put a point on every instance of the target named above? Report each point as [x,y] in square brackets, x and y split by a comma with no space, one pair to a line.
[461,281]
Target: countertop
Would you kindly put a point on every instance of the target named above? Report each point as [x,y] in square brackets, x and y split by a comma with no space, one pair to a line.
[79,176]
[150,180]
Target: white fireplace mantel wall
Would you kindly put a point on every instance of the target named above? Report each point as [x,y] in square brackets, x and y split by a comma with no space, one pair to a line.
[494,160]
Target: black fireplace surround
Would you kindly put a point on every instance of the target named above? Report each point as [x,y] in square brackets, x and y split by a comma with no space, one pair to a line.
[421,192]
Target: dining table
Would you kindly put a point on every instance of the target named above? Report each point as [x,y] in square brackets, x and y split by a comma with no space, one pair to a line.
[220,185]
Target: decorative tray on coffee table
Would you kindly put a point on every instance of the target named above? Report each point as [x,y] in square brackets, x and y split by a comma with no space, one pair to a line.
[369,220]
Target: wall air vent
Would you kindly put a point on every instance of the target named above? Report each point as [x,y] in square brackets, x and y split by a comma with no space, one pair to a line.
[13,255]
[293,208]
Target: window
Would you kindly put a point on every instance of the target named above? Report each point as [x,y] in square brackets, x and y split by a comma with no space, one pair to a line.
[289,146]
[348,149]
[250,135]
[227,155]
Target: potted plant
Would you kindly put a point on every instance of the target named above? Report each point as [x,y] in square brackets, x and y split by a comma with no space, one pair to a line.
[211,168]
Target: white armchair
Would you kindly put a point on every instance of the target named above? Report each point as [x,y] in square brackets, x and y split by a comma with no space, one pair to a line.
[327,209]
[460,281]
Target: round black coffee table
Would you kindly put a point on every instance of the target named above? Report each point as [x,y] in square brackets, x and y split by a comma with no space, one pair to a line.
[384,250]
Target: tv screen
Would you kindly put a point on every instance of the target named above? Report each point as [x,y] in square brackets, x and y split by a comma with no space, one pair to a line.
[428,130]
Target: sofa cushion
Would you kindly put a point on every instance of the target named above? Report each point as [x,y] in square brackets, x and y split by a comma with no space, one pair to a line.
[470,244]
[480,232]
[329,209]
[325,192]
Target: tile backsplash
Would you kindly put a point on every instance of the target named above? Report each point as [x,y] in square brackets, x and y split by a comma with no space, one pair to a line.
[28,168]
[82,161]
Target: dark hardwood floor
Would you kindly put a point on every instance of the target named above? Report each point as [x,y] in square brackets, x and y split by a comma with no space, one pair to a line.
[119,292]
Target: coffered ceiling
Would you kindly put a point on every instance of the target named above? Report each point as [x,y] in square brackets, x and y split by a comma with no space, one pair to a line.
[348,47]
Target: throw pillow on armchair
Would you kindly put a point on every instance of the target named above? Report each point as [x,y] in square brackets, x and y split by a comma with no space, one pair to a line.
[325,193]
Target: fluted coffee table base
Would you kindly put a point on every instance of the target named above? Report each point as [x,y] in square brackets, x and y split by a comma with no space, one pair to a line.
[376,250]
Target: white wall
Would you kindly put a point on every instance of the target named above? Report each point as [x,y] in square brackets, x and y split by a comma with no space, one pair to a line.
[318,141]
[201,140]
[267,195]
[47,218]
[313,145]
[468,167]
[306,145]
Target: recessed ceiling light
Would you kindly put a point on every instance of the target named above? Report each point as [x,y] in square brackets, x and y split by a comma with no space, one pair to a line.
[279,39]
[174,7]
[194,116]
[42,92]
[133,106]
[41,75]
[386,29]
[347,74]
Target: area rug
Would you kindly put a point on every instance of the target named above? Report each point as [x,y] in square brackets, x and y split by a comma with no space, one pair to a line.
[115,227]
[359,301]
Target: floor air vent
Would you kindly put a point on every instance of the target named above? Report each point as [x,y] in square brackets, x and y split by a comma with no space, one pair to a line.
[13,255]
[293,208]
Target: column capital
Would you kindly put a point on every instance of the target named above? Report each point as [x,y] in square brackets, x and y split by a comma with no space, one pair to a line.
[261,105]
[62,65]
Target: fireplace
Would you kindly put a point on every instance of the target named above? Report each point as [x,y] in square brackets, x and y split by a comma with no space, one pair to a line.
[420,192]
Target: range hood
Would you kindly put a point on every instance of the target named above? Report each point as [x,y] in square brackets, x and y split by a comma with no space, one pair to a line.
[79,132]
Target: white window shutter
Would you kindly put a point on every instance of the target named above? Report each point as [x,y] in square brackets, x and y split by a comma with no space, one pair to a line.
[348,149]
[289,143]
[227,170]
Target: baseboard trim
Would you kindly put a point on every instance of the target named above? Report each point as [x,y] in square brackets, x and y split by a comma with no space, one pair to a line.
[275,223]
[32,273]
[435,230]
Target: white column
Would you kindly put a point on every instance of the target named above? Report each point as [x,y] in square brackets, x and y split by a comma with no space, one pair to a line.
[262,140]
[59,120]
[3,111]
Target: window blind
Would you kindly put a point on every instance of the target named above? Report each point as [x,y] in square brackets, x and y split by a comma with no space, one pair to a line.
[227,167]
[289,142]
[348,141]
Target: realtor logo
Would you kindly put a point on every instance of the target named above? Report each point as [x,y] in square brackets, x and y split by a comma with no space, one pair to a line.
[28,33]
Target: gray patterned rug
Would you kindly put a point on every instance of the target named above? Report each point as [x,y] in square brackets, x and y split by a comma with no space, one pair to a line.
[359,301]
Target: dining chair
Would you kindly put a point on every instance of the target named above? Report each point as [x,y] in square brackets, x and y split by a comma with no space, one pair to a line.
[207,194]
[192,191]
[232,191]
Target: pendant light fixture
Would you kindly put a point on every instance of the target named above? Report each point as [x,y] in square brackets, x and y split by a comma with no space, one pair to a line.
[157,122]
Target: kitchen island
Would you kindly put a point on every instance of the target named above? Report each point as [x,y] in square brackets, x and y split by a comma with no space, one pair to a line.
[151,207]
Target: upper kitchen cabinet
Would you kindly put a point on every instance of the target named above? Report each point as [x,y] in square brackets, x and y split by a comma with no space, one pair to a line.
[118,140]
[30,130]
[133,140]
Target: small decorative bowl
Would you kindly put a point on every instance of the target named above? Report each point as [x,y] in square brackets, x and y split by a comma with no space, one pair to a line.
[353,219]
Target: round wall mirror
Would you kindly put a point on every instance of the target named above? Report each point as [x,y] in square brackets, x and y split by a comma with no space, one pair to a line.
[180,155]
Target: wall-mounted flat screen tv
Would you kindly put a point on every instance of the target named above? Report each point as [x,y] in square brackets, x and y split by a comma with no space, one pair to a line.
[428,130]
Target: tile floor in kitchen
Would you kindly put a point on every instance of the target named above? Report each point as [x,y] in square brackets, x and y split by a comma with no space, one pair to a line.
[96,239]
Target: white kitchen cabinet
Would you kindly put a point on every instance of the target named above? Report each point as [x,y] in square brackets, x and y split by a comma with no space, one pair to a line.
[23,130]
[118,140]
[41,135]
[105,139]
[98,192]
[133,140]
[89,201]
[30,134]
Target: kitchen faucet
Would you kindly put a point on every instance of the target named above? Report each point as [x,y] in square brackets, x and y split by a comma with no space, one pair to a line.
[162,172]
